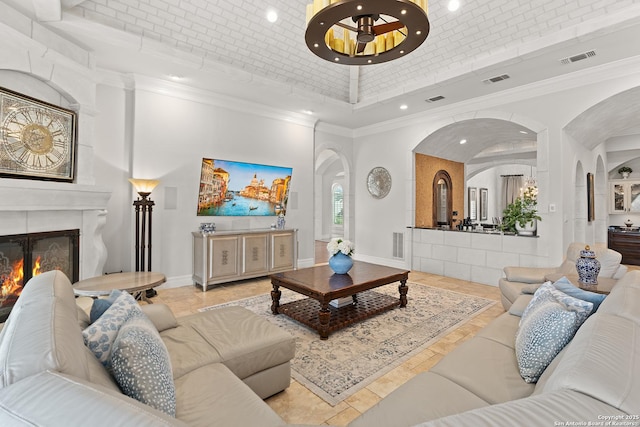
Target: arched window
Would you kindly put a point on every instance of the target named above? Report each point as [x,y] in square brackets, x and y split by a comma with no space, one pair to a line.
[337,204]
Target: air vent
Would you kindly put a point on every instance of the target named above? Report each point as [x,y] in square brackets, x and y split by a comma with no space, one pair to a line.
[496,79]
[398,245]
[578,57]
[435,98]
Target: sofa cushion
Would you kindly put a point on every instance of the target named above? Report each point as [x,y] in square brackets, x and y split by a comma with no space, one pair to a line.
[520,305]
[502,330]
[235,336]
[213,396]
[99,336]
[485,367]
[548,323]
[623,300]
[42,331]
[565,286]
[83,318]
[161,316]
[602,362]
[426,396]
[565,407]
[51,399]
[141,364]
[608,258]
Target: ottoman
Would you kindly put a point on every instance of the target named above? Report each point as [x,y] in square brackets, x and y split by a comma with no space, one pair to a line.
[255,350]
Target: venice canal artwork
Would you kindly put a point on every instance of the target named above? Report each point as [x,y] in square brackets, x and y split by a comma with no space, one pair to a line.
[229,188]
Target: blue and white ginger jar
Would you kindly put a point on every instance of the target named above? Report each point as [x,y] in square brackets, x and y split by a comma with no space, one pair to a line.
[588,267]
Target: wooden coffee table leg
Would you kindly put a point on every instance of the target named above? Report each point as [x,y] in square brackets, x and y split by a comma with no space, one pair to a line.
[324,315]
[275,299]
[403,288]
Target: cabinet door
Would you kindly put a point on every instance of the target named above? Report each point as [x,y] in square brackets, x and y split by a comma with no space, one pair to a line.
[634,197]
[617,194]
[282,251]
[223,257]
[254,254]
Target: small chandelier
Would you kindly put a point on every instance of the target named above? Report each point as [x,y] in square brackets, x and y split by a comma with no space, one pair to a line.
[362,32]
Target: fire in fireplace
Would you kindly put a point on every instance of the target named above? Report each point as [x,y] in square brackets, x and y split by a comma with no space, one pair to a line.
[39,252]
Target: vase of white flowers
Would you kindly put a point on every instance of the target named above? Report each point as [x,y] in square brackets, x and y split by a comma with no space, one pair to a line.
[340,251]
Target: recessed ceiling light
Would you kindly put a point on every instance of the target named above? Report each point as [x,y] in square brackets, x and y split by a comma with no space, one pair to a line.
[404,106]
[463,141]
[524,132]
[309,112]
[272,15]
[175,77]
[453,5]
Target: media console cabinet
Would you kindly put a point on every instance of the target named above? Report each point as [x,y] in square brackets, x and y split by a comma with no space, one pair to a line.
[226,256]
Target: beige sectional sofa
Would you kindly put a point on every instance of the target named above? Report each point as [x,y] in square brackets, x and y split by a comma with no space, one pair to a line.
[49,378]
[593,379]
[526,279]
[224,363]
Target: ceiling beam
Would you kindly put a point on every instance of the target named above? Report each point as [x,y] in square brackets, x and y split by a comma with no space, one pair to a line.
[47,10]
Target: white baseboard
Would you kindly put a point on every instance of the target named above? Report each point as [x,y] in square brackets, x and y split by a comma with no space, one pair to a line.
[396,263]
[176,282]
[307,262]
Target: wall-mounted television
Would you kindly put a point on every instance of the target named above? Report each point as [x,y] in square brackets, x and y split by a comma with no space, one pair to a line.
[229,188]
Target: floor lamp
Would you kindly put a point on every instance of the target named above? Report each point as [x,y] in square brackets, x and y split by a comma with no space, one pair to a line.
[144,209]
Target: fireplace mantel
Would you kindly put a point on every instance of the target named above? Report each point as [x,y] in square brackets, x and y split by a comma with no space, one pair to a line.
[28,206]
[25,195]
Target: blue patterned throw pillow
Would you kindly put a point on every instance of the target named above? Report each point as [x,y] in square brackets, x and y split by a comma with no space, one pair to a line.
[564,285]
[99,336]
[141,365]
[547,325]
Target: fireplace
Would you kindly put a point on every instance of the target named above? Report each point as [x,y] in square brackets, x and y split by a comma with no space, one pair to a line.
[23,256]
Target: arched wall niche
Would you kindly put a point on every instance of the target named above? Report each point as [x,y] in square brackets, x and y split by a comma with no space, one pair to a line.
[494,146]
[331,167]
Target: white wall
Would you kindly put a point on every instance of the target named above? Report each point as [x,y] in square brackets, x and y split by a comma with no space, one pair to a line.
[545,107]
[167,139]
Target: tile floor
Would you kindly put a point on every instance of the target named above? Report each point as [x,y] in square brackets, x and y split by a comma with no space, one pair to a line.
[299,405]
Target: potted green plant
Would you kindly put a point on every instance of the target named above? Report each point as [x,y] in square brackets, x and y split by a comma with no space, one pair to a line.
[625,171]
[521,215]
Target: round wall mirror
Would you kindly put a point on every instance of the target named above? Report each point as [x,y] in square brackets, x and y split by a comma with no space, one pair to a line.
[379,182]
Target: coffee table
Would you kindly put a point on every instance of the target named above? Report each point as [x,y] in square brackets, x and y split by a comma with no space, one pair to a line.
[136,283]
[321,285]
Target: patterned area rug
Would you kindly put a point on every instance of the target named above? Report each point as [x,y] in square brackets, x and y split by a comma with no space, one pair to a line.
[353,357]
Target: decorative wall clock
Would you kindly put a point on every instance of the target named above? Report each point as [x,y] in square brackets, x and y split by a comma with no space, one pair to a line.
[37,139]
[379,182]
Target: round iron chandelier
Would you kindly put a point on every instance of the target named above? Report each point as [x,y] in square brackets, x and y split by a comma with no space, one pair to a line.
[362,32]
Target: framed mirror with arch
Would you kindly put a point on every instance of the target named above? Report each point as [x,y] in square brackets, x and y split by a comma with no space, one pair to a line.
[442,198]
